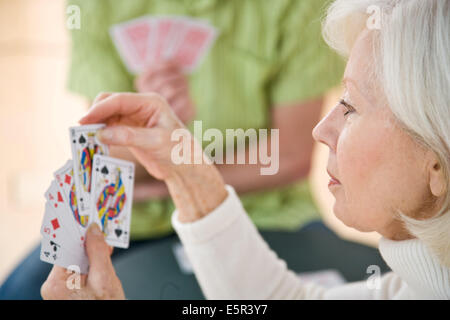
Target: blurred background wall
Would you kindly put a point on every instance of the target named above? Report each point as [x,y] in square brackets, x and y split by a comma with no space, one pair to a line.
[36,111]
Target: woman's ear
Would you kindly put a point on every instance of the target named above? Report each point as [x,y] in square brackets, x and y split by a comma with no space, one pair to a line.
[437,178]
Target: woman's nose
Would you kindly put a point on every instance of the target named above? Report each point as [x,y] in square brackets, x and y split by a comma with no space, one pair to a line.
[326,131]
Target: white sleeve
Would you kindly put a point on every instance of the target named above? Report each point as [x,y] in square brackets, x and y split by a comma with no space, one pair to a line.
[232,261]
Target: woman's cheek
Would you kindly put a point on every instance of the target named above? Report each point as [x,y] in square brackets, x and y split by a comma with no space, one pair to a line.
[359,154]
[347,164]
[351,158]
[361,149]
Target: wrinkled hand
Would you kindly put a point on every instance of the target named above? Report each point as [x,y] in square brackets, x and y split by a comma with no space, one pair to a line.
[100,283]
[169,81]
[141,122]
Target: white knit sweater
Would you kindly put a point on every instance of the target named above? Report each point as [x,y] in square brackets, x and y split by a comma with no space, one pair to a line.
[232,261]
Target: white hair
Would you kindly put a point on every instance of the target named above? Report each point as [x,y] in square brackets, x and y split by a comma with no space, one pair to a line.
[412,58]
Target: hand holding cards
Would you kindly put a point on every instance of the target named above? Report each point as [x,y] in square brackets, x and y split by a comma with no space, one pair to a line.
[91,187]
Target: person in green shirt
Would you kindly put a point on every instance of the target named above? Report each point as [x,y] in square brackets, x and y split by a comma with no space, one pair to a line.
[267,69]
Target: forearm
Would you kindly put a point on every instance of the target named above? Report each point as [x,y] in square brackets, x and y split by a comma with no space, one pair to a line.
[196,189]
[247,177]
[232,261]
[243,177]
[294,122]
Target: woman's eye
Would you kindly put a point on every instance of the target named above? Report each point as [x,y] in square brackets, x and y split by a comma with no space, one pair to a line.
[347,112]
[349,108]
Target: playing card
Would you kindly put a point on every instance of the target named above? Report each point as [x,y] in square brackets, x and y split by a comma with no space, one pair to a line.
[148,40]
[112,197]
[66,184]
[53,252]
[60,239]
[60,210]
[54,228]
[169,32]
[65,223]
[134,41]
[84,146]
[196,40]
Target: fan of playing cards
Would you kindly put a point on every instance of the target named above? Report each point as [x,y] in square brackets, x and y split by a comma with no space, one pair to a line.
[149,40]
[91,187]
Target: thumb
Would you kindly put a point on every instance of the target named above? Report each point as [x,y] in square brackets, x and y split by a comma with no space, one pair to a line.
[128,136]
[97,250]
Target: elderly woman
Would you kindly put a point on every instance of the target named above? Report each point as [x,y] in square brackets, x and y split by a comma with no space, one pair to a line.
[389,163]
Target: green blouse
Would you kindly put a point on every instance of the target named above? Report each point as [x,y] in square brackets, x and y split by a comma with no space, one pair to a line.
[268,53]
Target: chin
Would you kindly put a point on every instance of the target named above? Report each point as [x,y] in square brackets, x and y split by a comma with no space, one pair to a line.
[341,213]
[349,219]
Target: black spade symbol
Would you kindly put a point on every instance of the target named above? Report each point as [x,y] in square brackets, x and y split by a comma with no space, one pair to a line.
[118,232]
[105,170]
[82,139]
[54,245]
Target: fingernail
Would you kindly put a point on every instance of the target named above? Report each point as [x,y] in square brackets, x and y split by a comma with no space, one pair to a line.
[95,229]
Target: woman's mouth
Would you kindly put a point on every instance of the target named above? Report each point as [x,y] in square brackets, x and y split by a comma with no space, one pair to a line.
[333,181]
